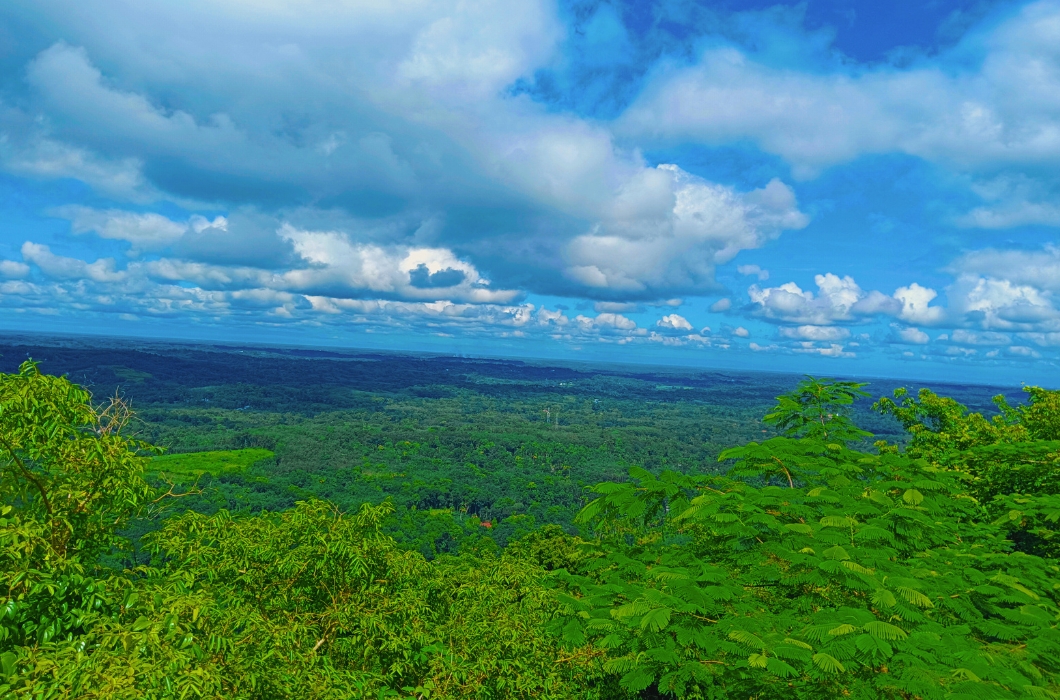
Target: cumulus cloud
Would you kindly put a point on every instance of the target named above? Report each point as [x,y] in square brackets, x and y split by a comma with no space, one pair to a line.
[916,305]
[61,267]
[1040,269]
[330,264]
[1013,200]
[674,322]
[997,111]
[962,336]
[753,270]
[669,231]
[1002,304]
[606,321]
[1024,351]
[830,350]
[838,299]
[146,231]
[339,266]
[615,306]
[12,269]
[814,332]
[380,164]
[912,335]
[421,125]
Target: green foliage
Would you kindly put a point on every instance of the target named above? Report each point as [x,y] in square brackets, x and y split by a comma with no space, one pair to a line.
[308,602]
[818,409]
[69,482]
[215,462]
[1032,519]
[811,569]
[847,574]
[941,427]
[551,548]
[1040,417]
[66,467]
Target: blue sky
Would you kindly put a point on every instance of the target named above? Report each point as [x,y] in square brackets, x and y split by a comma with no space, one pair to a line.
[861,188]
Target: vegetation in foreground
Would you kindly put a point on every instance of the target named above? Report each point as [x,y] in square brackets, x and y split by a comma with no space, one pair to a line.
[810,569]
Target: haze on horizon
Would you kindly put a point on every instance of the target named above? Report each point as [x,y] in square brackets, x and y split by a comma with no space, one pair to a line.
[857,188]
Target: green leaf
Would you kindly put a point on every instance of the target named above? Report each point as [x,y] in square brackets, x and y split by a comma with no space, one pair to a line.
[572,633]
[884,630]
[7,663]
[656,619]
[638,679]
[837,521]
[883,598]
[914,596]
[913,497]
[828,663]
[780,668]
[747,639]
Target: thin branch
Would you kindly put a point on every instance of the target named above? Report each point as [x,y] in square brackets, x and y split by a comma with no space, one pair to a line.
[791,484]
[195,491]
[28,474]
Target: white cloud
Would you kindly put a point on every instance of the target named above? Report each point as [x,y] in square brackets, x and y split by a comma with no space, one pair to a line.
[1003,305]
[606,321]
[423,118]
[749,270]
[338,265]
[1017,213]
[669,229]
[13,269]
[1013,200]
[966,337]
[998,110]
[838,299]
[674,322]
[146,231]
[1023,351]
[60,267]
[741,332]
[1039,269]
[556,318]
[814,332]
[830,350]
[38,156]
[913,335]
[1007,290]
[617,307]
[1042,339]
[916,306]
[377,130]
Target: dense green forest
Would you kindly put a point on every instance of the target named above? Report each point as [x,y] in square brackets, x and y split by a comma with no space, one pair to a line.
[452,442]
[273,524]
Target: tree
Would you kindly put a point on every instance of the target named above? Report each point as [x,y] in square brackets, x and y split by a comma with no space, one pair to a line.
[856,575]
[308,602]
[70,481]
[818,409]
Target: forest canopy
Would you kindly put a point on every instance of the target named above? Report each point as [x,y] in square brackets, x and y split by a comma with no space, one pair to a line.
[811,564]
